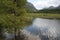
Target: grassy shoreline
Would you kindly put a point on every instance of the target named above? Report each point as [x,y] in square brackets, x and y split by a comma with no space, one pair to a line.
[43,15]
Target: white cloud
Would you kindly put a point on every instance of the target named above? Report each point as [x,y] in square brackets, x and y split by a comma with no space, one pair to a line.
[39,4]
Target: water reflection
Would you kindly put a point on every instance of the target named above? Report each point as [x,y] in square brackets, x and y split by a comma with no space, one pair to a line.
[45,28]
[9,36]
[41,29]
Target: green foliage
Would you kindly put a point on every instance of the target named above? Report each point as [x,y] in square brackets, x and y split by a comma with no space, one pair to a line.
[20,11]
[8,6]
[8,20]
[21,3]
[8,11]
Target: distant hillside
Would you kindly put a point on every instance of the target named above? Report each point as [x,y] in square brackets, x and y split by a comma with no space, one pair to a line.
[30,7]
[51,9]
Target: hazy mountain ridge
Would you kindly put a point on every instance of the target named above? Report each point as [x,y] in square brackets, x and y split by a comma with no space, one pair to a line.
[30,7]
[51,9]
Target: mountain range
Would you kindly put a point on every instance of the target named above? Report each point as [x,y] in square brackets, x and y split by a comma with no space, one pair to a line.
[30,7]
[51,9]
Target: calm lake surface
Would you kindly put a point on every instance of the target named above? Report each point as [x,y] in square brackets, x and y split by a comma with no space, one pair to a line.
[40,24]
[46,29]
[43,29]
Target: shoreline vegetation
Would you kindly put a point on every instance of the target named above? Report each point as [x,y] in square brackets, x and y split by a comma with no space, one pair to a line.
[43,15]
[36,15]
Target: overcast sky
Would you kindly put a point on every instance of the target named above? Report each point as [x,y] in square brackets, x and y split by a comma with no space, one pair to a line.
[39,4]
